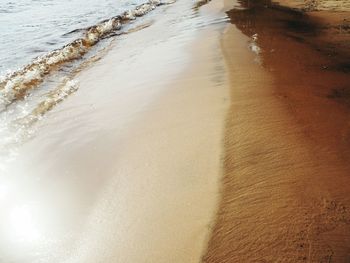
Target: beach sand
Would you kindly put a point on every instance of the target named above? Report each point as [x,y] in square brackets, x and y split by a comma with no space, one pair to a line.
[219,132]
[286,169]
[127,168]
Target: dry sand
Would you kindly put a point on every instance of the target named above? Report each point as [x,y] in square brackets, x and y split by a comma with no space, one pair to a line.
[286,187]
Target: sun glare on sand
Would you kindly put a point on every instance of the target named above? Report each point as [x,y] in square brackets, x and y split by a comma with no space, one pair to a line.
[23,224]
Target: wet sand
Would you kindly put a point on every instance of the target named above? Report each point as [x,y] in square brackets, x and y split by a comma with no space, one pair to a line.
[286,184]
[127,168]
[210,138]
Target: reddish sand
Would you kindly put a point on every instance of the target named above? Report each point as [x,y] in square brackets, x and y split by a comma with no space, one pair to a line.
[286,187]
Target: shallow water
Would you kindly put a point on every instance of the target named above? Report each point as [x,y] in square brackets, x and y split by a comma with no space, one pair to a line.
[30,28]
[28,93]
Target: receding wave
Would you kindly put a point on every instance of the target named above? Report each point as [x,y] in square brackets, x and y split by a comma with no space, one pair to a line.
[59,94]
[16,85]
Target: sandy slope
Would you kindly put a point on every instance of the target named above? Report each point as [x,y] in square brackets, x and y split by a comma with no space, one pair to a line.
[286,183]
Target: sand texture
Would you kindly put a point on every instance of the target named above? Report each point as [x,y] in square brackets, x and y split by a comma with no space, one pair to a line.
[127,168]
[286,186]
[215,131]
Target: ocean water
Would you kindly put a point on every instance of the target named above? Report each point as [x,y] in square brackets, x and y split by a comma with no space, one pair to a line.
[44,44]
[30,28]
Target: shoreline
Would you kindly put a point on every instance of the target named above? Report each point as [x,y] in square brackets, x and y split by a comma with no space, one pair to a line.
[221,134]
[128,166]
[285,187]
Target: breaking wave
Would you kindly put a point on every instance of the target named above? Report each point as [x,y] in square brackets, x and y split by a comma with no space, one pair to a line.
[16,85]
[28,93]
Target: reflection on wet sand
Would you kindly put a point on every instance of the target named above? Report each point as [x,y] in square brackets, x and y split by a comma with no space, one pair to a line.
[126,168]
[315,80]
[286,184]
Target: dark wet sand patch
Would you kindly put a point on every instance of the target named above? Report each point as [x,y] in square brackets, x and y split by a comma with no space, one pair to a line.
[286,185]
